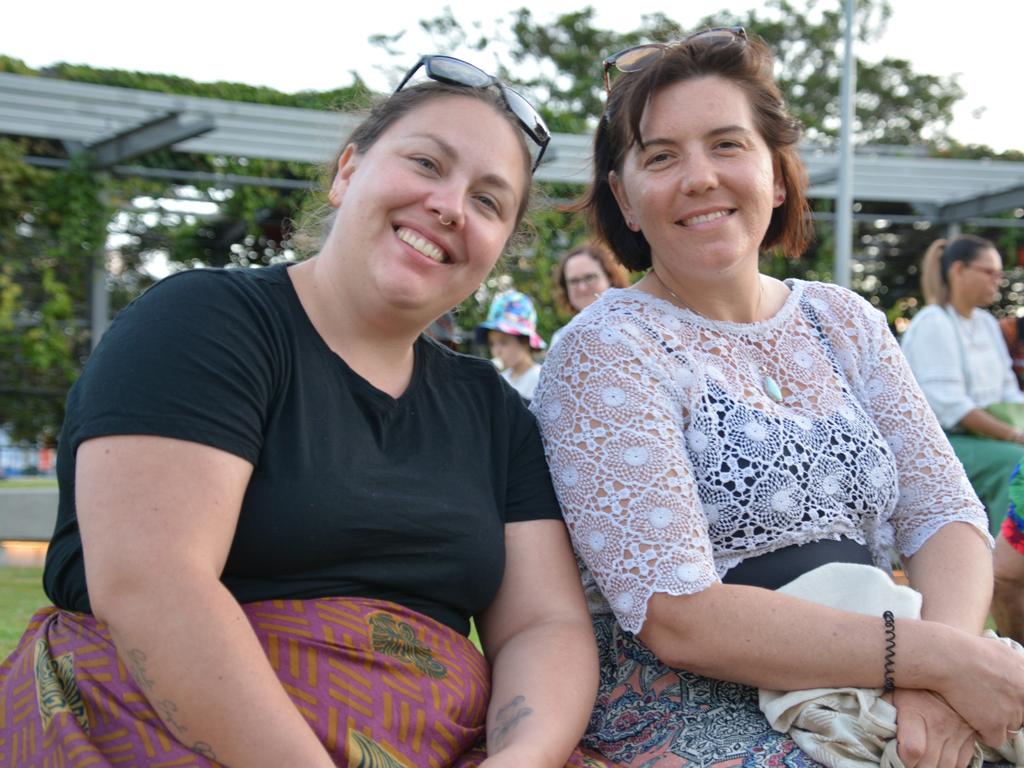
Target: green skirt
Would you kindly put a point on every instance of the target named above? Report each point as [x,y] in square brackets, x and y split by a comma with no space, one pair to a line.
[989,465]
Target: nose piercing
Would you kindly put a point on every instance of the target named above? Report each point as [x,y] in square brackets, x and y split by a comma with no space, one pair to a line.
[445,222]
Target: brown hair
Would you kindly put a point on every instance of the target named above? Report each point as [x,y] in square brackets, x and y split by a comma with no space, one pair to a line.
[617,275]
[940,256]
[746,62]
[312,230]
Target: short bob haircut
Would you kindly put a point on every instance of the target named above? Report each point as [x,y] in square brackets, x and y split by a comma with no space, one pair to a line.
[617,275]
[746,62]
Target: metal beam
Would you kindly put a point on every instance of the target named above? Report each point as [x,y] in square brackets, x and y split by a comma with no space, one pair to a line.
[983,205]
[63,110]
[182,177]
[161,132]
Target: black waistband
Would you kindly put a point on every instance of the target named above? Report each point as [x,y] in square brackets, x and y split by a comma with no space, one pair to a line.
[774,569]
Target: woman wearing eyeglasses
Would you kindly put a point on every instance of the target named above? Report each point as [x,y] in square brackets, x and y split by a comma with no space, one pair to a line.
[281,503]
[960,359]
[714,434]
[582,275]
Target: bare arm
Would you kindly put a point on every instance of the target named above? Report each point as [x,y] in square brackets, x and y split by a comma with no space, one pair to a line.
[984,424]
[768,639]
[538,637]
[953,572]
[157,518]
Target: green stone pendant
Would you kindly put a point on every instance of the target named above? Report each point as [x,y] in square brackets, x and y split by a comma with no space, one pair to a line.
[771,388]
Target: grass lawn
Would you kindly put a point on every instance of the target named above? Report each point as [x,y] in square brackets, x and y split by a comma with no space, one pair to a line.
[21,595]
[28,482]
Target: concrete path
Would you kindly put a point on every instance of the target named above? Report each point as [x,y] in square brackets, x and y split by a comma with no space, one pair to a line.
[27,514]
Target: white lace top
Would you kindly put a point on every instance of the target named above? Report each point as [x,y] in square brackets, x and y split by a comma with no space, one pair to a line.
[673,465]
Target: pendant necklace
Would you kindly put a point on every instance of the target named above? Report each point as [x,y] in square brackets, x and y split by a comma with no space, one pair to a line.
[768,383]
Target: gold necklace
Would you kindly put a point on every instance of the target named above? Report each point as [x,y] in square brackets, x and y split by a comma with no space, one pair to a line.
[768,384]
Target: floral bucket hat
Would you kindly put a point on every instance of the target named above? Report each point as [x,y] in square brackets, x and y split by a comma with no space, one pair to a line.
[511,312]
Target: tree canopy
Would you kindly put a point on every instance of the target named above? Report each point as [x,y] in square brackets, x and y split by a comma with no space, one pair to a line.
[54,223]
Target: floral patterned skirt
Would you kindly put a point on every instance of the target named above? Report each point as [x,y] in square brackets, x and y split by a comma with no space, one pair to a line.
[651,716]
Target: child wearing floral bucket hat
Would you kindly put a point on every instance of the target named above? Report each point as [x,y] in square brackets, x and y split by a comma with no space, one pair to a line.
[511,332]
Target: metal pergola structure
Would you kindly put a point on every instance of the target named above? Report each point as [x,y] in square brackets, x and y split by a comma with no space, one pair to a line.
[114,125]
[117,124]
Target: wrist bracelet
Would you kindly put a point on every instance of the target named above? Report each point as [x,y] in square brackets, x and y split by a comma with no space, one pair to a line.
[889,684]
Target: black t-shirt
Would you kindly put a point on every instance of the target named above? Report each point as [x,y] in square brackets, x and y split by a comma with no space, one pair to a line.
[353,492]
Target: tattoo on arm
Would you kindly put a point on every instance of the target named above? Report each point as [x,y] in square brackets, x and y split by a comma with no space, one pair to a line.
[137,667]
[505,720]
[205,750]
[166,708]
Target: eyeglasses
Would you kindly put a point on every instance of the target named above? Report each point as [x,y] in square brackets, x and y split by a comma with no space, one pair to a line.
[583,281]
[452,71]
[994,274]
[642,56]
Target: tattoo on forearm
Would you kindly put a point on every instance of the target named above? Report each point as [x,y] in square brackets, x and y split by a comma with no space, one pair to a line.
[508,717]
[137,668]
[205,750]
[168,709]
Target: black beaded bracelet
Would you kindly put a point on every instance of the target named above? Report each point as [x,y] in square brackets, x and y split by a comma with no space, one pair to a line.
[890,652]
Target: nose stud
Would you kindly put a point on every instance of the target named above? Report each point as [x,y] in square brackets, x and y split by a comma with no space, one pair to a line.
[445,222]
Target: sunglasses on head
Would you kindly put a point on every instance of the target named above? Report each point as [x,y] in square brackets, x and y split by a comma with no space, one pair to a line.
[452,71]
[642,56]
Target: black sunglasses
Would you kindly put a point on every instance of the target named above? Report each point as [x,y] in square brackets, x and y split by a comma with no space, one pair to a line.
[642,56]
[452,71]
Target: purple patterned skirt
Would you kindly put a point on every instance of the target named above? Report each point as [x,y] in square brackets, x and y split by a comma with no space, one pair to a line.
[381,685]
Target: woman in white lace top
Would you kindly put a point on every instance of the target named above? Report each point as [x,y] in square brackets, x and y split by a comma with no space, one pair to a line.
[714,432]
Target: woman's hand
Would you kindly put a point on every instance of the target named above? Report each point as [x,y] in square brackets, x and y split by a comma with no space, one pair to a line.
[930,734]
[987,688]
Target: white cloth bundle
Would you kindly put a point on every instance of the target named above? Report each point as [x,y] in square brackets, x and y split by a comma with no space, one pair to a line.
[855,727]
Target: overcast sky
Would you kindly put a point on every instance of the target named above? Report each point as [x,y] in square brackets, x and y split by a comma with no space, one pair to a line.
[301,44]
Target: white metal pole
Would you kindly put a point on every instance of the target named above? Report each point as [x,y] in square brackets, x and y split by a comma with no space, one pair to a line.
[844,198]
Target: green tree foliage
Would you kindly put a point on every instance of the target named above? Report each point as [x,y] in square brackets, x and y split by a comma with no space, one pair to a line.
[558,63]
[53,222]
[52,225]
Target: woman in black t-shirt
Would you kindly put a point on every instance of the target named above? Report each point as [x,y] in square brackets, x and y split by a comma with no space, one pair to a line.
[282,505]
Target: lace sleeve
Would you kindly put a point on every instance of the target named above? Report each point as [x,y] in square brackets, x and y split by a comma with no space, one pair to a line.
[933,488]
[611,415]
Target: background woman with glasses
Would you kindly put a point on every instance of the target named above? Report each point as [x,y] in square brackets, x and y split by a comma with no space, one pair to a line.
[281,503]
[584,273]
[714,433]
[959,357]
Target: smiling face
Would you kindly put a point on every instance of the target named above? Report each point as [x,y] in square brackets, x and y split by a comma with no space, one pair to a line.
[453,159]
[585,280]
[702,187]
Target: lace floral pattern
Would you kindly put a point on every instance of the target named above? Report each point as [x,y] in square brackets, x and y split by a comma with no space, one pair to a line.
[673,465]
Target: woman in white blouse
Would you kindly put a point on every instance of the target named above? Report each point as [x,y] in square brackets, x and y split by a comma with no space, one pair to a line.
[713,432]
[960,359]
